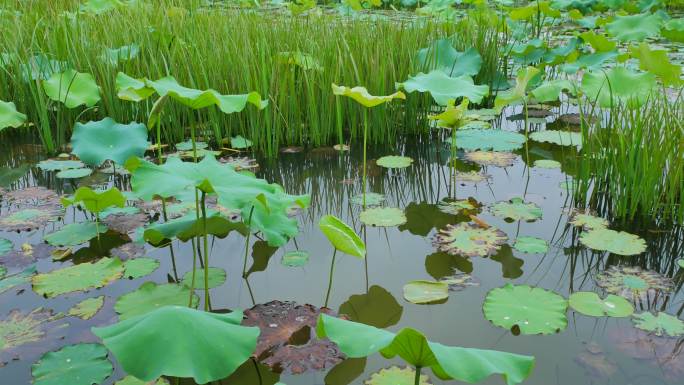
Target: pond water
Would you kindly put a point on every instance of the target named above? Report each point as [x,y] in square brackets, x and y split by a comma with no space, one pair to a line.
[589,351]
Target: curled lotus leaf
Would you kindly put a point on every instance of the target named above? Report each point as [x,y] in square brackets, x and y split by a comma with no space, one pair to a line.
[526,310]
[471,176]
[9,116]
[383,217]
[487,139]
[616,242]
[516,210]
[216,277]
[587,221]
[75,234]
[363,97]
[372,199]
[460,206]
[342,237]
[140,267]
[74,173]
[546,163]
[629,28]
[151,296]
[72,88]
[443,87]
[96,142]
[59,164]
[295,258]
[395,375]
[393,161]
[426,292]
[80,364]
[491,158]
[87,308]
[469,240]
[19,328]
[81,277]
[660,324]
[531,245]
[618,85]
[440,54]
[30,218]
[589,303]
[561,138]
[633,282]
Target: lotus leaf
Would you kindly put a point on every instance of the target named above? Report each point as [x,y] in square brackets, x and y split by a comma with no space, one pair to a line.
[363,97]
[372,199]
[531,245]
[551,91]
[57,164]
[616,242]
[425,292]
[74,173]
[140,267]
[461,364]
[9,116]
[75,233]
[295,258]
[633,282]
[96,202]
[587,221]
[471,176]
[342,237]
[525,309]
[301,60]
[561,138]
[96,142]
[454,116]
[590,303]
[519,92]
[593,61]
[395,375]
[657,62]
[240,142]
[6,246]
[483,139]
[87,308]
[81,277]
[516,210]
[98,7]
[491,158]
[28,219]
[529,12]
[150,296]
[673,30]
[188,227]
[638,27]
[114,56]
[10,281]
[81,364]
[41,67]
[469,240]
[72,88]
[660,325]
[188,145]
[599,43]
[383,217]
[20,328]
[459,206]
[130,380]
[377,308]
[217,277]
[459,281]
[546,163]
[392,161]
[618,85]
[443,56]
[443,87]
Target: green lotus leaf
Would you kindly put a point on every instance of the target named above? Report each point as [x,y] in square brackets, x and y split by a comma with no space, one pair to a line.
[459,206]
[20,328]
[187,145]
[634,283]
[638,27]
[592,61]
[517,94]
[469,240]
[443,87]
[41,67]
[81,277]
[87,308]
[56,164]
[150,296]
[395,375]
[9,116]
[140,267]
[590,303]
[217,277]
[618,85]
[530,11]
[81,364]
[363,97]
[657,62]
[74,173]
[96,202]
[6,246]
[131,89]
[72,88]
[673,30]
[616,242]
[599,43]
[588,221]
[240,142]
[74,234]
[495,140]
[31,218]
[114,56]
[454,116]
[170,350]
[525,309]
[341,236]
[295,258]
[443,56]
[393,161]
[546,163]
[561,138]
[527,52]
[131,380]
[20,278]
[96,142]
[659,325]
[383,217]
[680,263]
[447,362]
[517,210]
[531,245]
[301,60]
[550,91]
[98,7]
[491,158]
[372,199]
[188,227]
[425,292]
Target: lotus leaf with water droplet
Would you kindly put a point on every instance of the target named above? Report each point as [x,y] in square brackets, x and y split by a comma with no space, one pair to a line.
[590,303]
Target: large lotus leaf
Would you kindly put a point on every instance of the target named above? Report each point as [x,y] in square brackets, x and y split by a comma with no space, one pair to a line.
[590,303]
[657,62]
[158,343]
[363,97]
[9,116]
[525,309]
[188,227]
[469,240]
[425,292]
[264,205]
[673,29]
[72,88]
[591,61]
[96,142]
[81,277]
[616,242]
[383,217]
[140,267]
[74,234]
[87,308]
[518,93]
[81,364]
[113,56]
[660,325]
[461,364]
[443,56]
[443,87]
[484,139]
[618,85]
[17,279]
[516,210]
[599,43]
[342,237]
[550,91]
[216,277]
[635,27]
[395,375]
[150,296]
[561,138]
[531,245]
[546,163]
[94,201]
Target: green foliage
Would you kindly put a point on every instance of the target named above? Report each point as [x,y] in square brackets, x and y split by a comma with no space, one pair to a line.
[217,277]
[443,56]
[443,87]
[660,324]
[635,27]
[616,242]
[486,139]
[618,85]
[424,292]
[75,234]
[590,303]
[81,277]
[150,296]
[81,364]
[363,97]
[342,237]
[9,116]
[96,142]
[383,217]
[96,202]
[72,88]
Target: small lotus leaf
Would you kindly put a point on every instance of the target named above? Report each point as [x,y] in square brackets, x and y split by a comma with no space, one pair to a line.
[81,364]
[459,206]
[484,139]
[517,94]
[240,142]
[295,258]
[469,240]
[96,142]
[616,242]
[150,296]
[443,87]
[372,199]
[140,267]
[531,245]
[59,165]
[425,292]
[72,88]
[491,158]
[87,308]
[363,97]
[517,210]
[587,221]
[392,161]
[217,277]
[395,375]
[660,324]
[94,201]
[74,173]
[590,303]
[561,138]
[471,176]
[546,163]
[74,234]
[301,60]
[81,277]
[383,217]
[9,116]
[342,237]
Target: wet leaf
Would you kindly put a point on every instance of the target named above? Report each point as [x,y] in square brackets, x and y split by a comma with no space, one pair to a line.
[140,267]
[363,97]
[443,87]
[589,303]
[383,217]
[217,277]
[561,138]
[81,277]
[75,234]
[616,242]
[72,88]
[516,210]
[150,296]
[531,245]
[87,308]
[469,240]
[395,375]
[81,364]
[425,292]
[488,139]
[393,161]
[660,324]
[295,258]
[96,142]
[342,237]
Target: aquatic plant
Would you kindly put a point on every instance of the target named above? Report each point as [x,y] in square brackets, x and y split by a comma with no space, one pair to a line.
[590,303]
[469,240]
[96,142]
[342,238]
[80,364]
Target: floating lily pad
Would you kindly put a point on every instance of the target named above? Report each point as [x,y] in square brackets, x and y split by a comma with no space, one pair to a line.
[30,218]
[590,303]
[217,277]
[75,233]
[81,364]
[395,375]
[74,173]
[187,145]
[59,164]
[13,280]
[372,199]
[516,210]
[470,176]
[295,258]
[587,221]
[20,328]
[546,163]
[531,245]
[561,138]
[491,158]
[150,296]
[393,161]
[469,240]
[459,206]
[383,217]
[616,242]
[659,325]
[633,282]
[140,267]
[425,292]
[459,281]
[240,142]
[5,246]
[81,277]
[483,139]
[527,310]
[87,308]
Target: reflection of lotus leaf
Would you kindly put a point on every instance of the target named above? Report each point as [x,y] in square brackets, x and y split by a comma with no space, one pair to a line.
[295,258]
[87,308]
[517,210]
[377,307]
[28,219]
[74,234]
[587,221]
[616,242]
[546,163]
[20,328]
[633,282]
[459,281]
[59,165]
[459,206]
[590,303]
[491,158]
[383,217]
[81,277]
[74,173]
[393,161]
[561,138]
[395,375]
[96,142]
[372,199]
[150,296]
[660,325]
[424,292]
[17,279]
[531,310]
[469,240]
[487,139]
[216,278]
[140,267]
[470,176]
[81,364]
[531,245]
